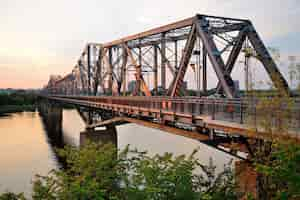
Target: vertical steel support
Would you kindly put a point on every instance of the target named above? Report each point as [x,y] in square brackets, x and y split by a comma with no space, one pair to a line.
[199,68]
[98,72]
[139,72]
[215,57]
[163,61]
[204,66]
[89,69]
[176,55]
[138,80]
[123,72]
[110,70]
[140,56]
[155,70]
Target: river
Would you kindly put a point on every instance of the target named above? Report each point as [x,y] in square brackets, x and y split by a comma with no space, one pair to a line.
[26,149]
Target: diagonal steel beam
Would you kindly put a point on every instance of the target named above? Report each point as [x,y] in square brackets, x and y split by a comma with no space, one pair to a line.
[187,53]
[119,58]
[165,28]
[233,55]
[98,71]
[140,82]
[228,28]
[215,57]
[82,76]
[278,80]
[167,61]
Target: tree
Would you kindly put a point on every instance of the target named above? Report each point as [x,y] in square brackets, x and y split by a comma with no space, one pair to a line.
[276,160]
[100,172]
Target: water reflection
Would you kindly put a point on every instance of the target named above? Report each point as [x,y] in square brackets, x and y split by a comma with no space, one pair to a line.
[152,140]
[24,151]
[27,145]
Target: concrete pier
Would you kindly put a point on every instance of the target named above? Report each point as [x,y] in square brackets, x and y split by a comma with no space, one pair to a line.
[102,135]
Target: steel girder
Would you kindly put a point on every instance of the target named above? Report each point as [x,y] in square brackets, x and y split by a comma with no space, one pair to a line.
[112,65]
[267,61]
[184,62]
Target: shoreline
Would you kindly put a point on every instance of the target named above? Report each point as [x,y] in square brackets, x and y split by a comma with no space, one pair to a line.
[9,109]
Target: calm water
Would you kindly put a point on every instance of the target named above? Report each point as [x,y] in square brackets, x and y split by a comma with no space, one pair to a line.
[26,149]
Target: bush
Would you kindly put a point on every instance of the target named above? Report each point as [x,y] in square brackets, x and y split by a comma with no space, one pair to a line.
[100,172]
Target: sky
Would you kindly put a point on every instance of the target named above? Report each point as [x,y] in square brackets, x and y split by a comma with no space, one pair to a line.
[40,38]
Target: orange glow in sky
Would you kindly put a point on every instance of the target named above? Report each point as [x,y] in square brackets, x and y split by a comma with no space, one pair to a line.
[40,38]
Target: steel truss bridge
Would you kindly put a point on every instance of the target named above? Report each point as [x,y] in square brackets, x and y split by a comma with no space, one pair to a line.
[141,78]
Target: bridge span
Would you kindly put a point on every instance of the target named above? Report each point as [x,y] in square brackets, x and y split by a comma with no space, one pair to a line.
[204,119]
[142,78]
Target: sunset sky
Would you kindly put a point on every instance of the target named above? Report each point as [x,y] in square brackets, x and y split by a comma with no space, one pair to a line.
[39,38]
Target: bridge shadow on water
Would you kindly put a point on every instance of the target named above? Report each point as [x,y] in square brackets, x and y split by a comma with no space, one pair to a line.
[52,118]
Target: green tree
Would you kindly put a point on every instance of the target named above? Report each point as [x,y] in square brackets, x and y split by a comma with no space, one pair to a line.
[276,159]
[100,172]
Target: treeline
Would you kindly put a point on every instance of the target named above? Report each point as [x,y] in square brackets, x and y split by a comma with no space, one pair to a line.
[18,98]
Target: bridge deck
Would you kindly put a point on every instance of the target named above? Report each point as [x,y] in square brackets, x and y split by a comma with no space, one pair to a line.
[228,116]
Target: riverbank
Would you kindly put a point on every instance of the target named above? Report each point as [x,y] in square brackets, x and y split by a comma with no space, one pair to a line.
[7,109]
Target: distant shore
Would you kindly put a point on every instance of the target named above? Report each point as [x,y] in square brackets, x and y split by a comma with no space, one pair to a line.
[8,109]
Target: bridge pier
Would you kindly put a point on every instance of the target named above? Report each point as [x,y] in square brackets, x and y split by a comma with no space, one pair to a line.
[52,116]
[246,179]
[211,134]
[108,134]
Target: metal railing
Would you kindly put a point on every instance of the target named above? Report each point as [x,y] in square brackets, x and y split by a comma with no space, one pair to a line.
[242,111]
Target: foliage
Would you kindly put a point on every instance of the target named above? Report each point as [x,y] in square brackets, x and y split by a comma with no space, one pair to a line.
[100,172]
[277,160]
[168,177]
[12,196]
[282,172]
[17,98]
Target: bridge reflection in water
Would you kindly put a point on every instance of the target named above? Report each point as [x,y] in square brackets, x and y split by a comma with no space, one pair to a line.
[63,132]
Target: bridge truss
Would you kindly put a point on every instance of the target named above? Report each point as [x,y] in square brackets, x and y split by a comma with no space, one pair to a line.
[113,79]
[156,61]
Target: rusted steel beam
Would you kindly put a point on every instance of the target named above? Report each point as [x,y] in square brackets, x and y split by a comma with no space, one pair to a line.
[176,54]
[269,64]
[155,76]
[204,66]
[123,71]
[168,39]
[184,36]
[234,55]
[228,28]
[109,72]
[161,29]
[163,62]
[140,82]
[189,134]
[222,18]
[215,57]
[136,107]
[163,55]
[89,68]
[64,78]
[175,88]
[98,80]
